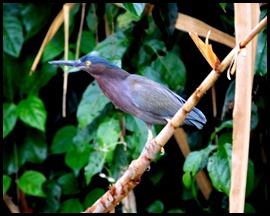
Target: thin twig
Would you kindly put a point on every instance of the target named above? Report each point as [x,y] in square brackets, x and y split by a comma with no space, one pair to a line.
[80,32]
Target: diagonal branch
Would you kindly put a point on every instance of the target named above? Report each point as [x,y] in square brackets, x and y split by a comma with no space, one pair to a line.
[132,176]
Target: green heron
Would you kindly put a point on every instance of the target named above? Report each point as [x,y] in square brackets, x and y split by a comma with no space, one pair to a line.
[134,94]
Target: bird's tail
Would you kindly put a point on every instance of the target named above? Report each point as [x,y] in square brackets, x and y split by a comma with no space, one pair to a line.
[195,118]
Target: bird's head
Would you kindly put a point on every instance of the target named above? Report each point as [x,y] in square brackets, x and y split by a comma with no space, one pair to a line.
[92,64]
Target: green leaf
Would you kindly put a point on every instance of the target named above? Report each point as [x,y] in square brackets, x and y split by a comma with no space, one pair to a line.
[219,168]
[261,53]
[71,206]
[40,78]
[176,211]
[9,118]
[6,183]
[187,179]
[91,19]
[54,48]
[92,103]
[226,124]
[153,46]
[155,207]
[139,133]
[254,116]
[223,6]
[249,208]
[152,74]
[135,8]
[120,161]
[35,148]
[88,41]
[225,138]
[83,138]
[95,165]
[31,183]
[197,160]
[32,112]
[156,176]
[69,184]
[250,178]
[93,196]
[172,69]
[12,35]
[34,17]
[107,137]
[76,159]
[229,99]
[124,20]
[53,191]
[63,139]
[120,42]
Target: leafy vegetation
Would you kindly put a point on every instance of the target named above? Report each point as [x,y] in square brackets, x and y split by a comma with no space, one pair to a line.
[53,163]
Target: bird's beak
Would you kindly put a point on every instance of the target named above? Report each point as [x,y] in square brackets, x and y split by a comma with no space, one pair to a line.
[73,63]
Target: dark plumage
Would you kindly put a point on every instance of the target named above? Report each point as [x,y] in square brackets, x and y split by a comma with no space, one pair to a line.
[134,94]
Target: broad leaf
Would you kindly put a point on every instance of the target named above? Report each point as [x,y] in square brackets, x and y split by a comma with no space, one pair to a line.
[261,51]
[88,42]
[219,168]
[156,207]
[6,183]
[53,191]
[76,159]
[172,69]
[93,196]
[31,183]
[135,8]
[95,165]
[120,43]
[107,137]
[69,184]
[32,112]
[139,135]
[35,148]
[9,118]
[197,160]
[92,103]
[12,35]
[63,139]
[250,178]
[71,206]
[34,17]
[226,124]
[254,116]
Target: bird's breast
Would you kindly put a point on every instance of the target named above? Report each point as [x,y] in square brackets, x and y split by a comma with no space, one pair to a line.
[118,93]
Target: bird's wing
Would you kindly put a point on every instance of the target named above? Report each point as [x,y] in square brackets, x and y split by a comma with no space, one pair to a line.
[153,97]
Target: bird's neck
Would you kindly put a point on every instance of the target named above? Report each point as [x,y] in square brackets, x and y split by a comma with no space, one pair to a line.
[101,72]
[112,84]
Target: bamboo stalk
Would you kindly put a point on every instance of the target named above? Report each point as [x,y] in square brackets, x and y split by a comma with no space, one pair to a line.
[66,22]
[242,103]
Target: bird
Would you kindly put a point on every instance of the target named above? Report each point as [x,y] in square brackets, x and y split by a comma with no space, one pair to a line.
[137,95]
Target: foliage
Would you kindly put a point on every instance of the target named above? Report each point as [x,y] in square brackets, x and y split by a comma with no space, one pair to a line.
[65,164]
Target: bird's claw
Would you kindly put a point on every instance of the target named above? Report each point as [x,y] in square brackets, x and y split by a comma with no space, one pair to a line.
[162,151]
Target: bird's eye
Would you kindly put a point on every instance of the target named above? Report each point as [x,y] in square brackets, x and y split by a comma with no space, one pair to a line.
[87,63]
